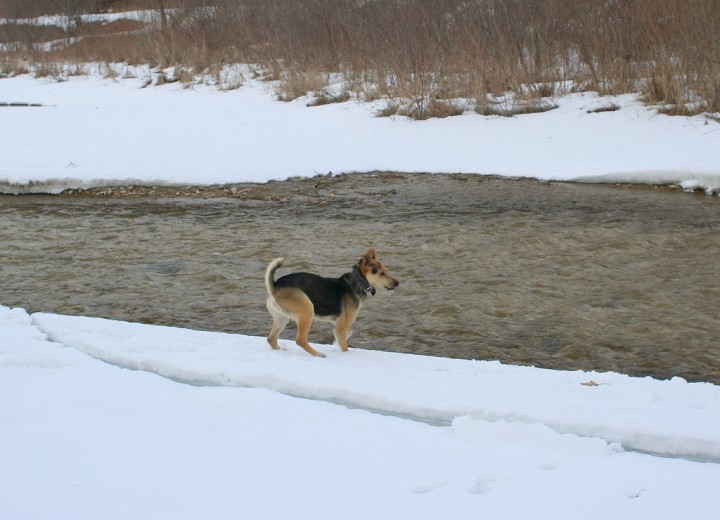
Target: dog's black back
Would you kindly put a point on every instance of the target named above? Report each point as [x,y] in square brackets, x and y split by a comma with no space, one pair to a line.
[326,294]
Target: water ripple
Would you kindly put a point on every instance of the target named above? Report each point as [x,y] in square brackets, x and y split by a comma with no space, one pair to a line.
[551,274]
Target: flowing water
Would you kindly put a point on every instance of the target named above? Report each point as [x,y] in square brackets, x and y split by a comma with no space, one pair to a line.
[555,275]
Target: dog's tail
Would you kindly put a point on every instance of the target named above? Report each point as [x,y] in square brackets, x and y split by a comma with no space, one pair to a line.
[270,275]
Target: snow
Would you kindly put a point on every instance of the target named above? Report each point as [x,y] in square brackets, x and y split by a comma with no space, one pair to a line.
[95,131]
[59,20]
[105,418]
[450,389]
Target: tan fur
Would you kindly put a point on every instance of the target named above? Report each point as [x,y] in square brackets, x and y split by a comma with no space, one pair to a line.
[291,303]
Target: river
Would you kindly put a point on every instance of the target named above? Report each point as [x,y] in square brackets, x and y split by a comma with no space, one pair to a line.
[556,275]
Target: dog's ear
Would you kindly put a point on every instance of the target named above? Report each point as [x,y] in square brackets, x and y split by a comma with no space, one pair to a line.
[368,258]
[365,261]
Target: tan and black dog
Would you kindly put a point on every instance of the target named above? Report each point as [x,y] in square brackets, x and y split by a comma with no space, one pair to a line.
[302,297]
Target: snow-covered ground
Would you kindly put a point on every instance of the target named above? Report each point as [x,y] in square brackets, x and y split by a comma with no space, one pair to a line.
[110,419]
[62,20]
[93,131]
[106,419]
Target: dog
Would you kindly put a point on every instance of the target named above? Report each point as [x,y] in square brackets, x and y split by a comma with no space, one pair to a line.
[302,297]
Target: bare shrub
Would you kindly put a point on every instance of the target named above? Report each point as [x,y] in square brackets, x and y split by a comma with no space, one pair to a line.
[421,109]
[58,71]
[509,107]
[390,109]
[421,50]
[323,97]
[610,107]
[10,66]
[24,35]
[295,84]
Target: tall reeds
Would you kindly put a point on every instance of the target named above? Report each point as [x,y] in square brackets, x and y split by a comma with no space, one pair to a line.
[427,53]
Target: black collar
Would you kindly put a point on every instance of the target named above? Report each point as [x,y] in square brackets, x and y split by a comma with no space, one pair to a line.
[362,281]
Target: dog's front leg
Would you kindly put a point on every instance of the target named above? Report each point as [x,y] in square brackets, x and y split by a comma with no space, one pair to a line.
[343,327]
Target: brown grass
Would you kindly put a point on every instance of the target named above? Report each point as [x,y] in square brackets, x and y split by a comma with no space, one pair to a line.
[422,53]
[421,108]
[323,97]
[294,84]
[514,107]
[610,107]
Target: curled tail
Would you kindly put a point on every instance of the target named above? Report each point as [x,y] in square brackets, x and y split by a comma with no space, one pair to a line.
[270,275]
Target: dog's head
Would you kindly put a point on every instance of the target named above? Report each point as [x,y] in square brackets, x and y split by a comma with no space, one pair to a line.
[375,272]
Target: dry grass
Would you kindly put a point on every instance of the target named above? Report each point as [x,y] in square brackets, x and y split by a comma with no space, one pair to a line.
[421,109]
[430,52]
[390,109]
[294,84]
[513,107]
[610,107]
[323,97]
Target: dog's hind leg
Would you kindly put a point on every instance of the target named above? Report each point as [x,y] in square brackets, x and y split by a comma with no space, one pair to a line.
[304,321]
[280,321]
[295,305]
[279,324]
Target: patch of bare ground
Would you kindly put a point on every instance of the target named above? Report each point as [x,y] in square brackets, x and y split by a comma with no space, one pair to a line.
[322,188]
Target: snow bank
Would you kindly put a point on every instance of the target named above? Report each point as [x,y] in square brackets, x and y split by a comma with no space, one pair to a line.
[94,132]
[82,438]
[670,418]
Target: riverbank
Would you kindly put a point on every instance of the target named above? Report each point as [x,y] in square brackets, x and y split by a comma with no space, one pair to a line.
[93,132]
[321,186]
